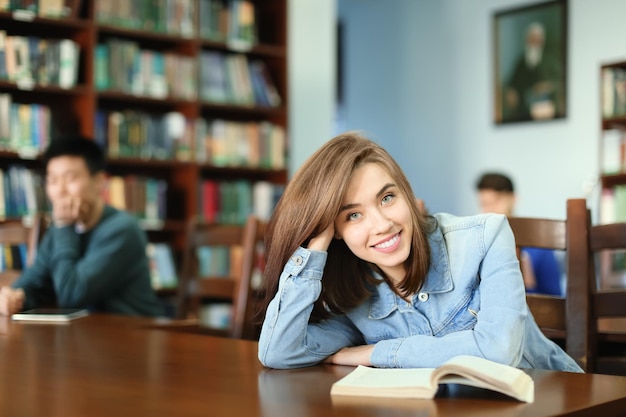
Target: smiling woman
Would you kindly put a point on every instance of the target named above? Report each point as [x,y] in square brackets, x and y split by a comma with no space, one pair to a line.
[357,274]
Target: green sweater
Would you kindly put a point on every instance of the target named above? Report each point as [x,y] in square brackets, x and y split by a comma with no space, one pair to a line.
[104,269]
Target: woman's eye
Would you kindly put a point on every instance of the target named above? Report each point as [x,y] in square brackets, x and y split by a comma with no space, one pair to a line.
[387,199]
[354,216]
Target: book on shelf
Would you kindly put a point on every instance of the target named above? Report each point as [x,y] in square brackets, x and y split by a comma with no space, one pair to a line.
[241,25]
[265,89]
[13,257]
[613,147]
[212,16]
[43,8]
[162,266]
[424,382]
[613,86]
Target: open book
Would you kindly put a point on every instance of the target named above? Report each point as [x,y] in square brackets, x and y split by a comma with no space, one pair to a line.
[423,382]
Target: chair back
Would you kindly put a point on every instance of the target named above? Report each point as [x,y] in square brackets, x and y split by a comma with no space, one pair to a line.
[198,285]
[16,233]
[608,305]
[563,319]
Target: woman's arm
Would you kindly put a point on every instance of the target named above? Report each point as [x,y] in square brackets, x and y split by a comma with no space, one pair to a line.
[287,339]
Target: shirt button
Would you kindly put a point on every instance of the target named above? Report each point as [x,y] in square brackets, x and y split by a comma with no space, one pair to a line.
[422,296]
[297,260]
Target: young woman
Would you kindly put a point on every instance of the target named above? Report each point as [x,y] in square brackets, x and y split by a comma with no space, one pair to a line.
[356,274]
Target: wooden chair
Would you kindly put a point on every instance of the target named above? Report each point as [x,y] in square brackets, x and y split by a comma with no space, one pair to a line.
[14,232]
[235,288]
[608,305]
[563,319]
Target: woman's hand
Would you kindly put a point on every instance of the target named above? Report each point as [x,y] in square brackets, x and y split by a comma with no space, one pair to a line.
[322,241]
[353,356]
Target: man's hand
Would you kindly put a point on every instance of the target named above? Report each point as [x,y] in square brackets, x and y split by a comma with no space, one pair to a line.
[353,356]
[69,210]
[11,300]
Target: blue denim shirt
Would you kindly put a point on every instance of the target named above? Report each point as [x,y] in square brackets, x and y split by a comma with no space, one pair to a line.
[472,302]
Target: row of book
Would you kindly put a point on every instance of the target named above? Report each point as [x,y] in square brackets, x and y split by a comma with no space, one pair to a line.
[174,17]
[24,128]
[219,202]
[122,65]
[232,79]
[221,78]
[233,201]
[21,192]
[613,81]
[233,22]
[230,21]
[13,257]
[613,205]
[30,60]
[131,134]
[613,156]
[251,144]
[42,8]
[143,197]
[215,262]
[613,263]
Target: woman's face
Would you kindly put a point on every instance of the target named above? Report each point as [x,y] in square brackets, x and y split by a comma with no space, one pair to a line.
[375,220]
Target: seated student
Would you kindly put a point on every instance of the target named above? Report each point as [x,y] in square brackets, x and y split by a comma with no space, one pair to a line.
[93,255]
[357,274]
[540,268]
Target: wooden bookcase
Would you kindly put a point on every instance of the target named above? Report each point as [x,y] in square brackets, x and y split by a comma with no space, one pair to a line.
[612,164]
[78,108]
[612,161]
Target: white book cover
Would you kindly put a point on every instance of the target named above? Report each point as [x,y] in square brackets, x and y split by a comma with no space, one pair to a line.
[68,63]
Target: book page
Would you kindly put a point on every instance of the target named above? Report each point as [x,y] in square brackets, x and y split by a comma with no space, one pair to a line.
[483,373]
[384,382]
[423,382]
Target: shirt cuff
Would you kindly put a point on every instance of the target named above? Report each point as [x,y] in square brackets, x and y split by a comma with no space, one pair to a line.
[306,262]
[385,354]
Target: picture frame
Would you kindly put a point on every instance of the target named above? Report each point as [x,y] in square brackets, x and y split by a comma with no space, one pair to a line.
[530,63]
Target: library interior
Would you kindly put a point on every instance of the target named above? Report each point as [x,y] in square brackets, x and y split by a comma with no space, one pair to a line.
[204,110]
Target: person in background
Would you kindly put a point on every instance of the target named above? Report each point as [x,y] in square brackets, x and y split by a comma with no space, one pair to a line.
[92,256]
[358,274]
[540,267]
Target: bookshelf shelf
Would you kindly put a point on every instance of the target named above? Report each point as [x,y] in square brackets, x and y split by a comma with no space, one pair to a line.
[63,24]
[613,141]
[612,165]
[610,181]
[93,106]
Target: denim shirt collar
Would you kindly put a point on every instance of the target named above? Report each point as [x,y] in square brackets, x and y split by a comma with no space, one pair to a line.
[438,279]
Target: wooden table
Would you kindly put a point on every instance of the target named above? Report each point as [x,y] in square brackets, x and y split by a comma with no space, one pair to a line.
[117,366]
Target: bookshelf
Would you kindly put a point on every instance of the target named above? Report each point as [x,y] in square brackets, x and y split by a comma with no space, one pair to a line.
[179,93]
[612,163]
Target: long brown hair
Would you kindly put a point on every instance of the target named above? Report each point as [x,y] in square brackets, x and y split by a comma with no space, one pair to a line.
[310,204]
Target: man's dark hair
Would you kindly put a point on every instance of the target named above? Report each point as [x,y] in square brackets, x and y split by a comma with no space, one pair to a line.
[496,182]
[79,146]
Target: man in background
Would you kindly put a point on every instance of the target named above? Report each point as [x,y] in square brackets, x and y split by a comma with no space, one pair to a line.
[93,256]
[540,268]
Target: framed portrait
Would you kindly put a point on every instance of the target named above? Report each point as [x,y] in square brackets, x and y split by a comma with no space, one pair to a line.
[530,59]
